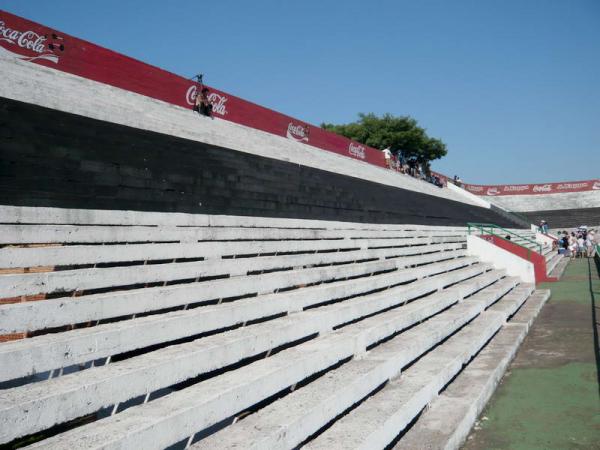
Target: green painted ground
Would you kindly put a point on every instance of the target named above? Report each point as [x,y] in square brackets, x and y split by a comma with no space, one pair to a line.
[549,398]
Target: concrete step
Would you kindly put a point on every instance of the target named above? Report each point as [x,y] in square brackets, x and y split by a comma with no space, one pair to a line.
[121,381]
[553,262]
[68,310]
[51,351]
[377,421]
[560,267]
[169,419]
[446,423]
[47,234]
[287,422]
[99,278]
[56,256]
[46,215]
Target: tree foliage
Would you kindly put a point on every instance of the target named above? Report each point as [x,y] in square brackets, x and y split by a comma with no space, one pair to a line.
[401,134]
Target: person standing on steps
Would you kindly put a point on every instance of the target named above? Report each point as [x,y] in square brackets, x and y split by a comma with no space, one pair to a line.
[387,153]
[590,244]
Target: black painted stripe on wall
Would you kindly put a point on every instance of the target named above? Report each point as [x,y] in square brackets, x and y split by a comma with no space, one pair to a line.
[565,218]
[51,158]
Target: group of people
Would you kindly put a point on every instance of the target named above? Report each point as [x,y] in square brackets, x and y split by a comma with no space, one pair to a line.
[408,166]
[412,167]
[457,181]
[579,243]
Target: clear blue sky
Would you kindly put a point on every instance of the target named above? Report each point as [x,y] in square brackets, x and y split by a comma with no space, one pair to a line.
[512,86]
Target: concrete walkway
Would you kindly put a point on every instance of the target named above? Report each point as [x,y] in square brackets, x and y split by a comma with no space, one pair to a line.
[549,398]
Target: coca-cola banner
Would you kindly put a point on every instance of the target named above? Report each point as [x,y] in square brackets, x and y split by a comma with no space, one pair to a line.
[29,41]
[533,189]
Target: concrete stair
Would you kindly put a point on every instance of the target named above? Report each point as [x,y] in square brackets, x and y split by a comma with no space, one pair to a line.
[144,330]
[446,423]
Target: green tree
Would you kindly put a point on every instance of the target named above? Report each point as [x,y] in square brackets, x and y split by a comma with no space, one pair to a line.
[401,134]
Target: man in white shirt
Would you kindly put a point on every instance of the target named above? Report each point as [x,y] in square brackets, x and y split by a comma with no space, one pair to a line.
[387,153]
[590,243]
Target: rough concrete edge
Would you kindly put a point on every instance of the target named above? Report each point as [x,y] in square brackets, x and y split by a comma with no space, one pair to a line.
[462,431]
[457,438]
[559,269]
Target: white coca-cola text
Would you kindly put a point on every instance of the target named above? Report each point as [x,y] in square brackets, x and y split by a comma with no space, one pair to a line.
[542,188]
[217,101]
[297,132]
[29,40]
[357,150]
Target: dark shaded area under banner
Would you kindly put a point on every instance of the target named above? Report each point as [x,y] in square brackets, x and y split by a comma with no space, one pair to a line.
[57,159]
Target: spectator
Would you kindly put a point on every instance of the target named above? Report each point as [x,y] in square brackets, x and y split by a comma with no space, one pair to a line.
[413,167]
[572,246]
[543,227]
[590,243]
[387,153]
[580,245]
[203,105]
[565,241]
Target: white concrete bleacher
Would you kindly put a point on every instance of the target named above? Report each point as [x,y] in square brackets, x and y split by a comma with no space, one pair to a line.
[147,330]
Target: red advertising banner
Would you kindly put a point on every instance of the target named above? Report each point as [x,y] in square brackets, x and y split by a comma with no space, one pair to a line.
[29,41]
[533,189]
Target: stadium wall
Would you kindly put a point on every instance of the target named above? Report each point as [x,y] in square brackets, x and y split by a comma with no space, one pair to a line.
[69,140]
[563,204]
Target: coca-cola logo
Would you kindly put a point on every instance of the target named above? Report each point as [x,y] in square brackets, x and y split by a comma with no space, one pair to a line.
[217,101]
[298,132]
[29,41]
[357,150]
[596,185]
[493,191]
[542,188]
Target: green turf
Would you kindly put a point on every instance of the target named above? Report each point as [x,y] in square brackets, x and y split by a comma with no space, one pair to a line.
[574,286]
[545,409]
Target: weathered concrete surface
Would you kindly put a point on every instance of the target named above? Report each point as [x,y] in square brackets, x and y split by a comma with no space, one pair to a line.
[449,418]
[286,423]
[121,381]
[378,420]
[549,398]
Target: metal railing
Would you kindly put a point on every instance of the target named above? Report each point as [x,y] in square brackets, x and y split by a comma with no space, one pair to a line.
[494,230]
